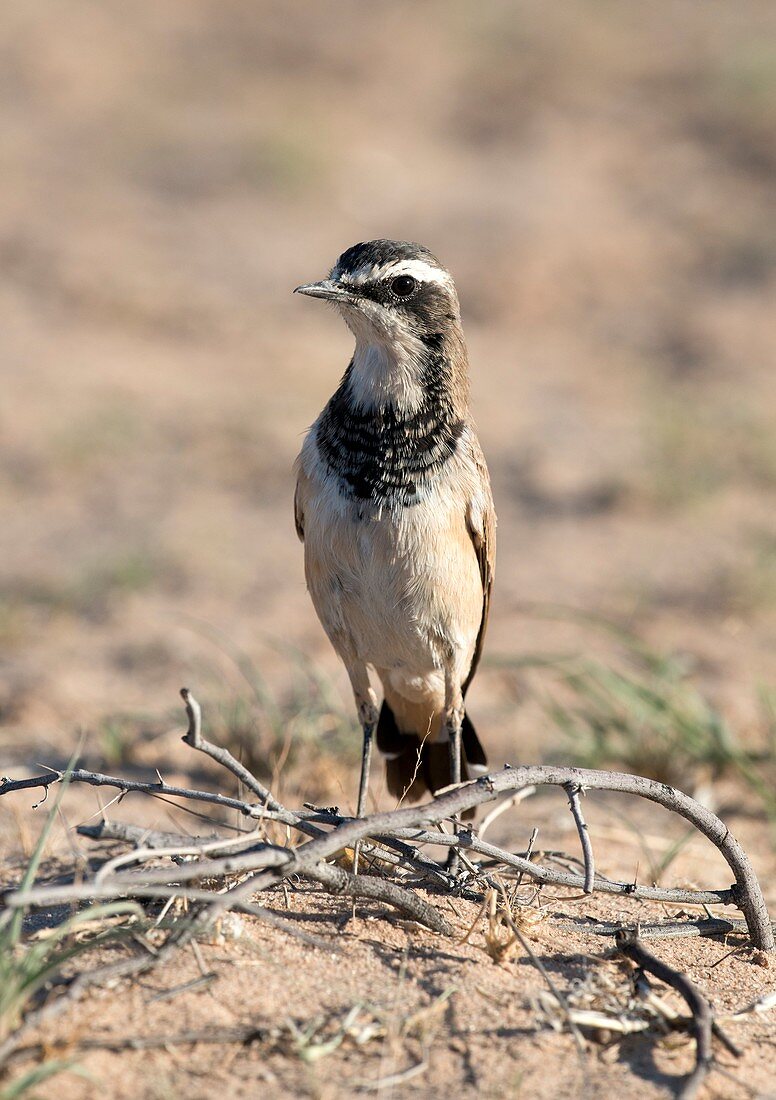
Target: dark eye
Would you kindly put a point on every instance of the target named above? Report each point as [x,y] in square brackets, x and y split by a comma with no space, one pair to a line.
[403,285]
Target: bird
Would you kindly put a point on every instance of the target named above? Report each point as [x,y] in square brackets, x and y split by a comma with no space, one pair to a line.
[394,506]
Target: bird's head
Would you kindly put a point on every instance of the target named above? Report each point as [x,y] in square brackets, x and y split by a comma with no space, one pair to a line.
[392,291]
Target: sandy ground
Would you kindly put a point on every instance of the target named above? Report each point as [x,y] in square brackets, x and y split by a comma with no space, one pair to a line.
[406,1000]
[600,181]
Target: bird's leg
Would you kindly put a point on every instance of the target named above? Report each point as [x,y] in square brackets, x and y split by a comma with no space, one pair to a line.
[453,723]
[366,704]
[367,713]
[454,734]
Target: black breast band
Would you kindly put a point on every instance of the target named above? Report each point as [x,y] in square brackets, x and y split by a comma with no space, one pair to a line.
[384,455]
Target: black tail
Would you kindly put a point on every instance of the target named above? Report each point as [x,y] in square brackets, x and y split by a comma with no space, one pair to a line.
[413,766]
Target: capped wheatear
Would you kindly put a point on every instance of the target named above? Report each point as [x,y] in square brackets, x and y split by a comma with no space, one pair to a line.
[394,506]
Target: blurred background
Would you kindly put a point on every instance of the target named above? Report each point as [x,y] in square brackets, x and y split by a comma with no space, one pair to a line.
[599,177]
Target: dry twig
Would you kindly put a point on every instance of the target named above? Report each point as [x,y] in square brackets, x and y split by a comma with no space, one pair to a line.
[573,790]
[700,1009]
[411,824]
[394,838]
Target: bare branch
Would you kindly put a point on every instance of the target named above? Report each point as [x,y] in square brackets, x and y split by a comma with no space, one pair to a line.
[549,876]
[700,1009]
[141,837]
[193,737]
[666,930]
[338,881]
[403,829]
[573,790]
[211,1035]
[97,779]
[746,893]
[154,843]
[394,839]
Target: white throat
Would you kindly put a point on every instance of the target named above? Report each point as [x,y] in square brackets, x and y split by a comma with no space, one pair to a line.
[388,373]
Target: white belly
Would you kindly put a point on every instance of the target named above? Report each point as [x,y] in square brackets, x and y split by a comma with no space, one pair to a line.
[399,590]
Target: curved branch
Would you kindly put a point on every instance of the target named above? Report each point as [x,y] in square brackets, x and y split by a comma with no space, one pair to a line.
[701,1015]
[401,823]
[746,893]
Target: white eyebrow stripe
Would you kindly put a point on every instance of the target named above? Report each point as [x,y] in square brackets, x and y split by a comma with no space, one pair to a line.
[419,269]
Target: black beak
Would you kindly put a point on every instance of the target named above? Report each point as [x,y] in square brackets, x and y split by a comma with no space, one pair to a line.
[326,289]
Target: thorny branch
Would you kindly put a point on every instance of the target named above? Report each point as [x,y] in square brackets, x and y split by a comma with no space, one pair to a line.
[406,828]
[193,737]
[573,790]
[702,1019]
[214,874]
